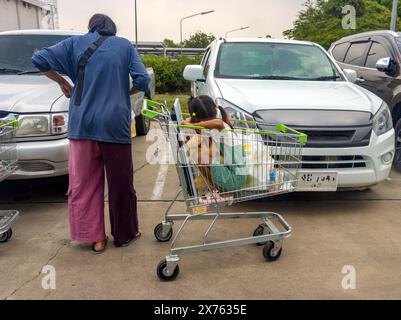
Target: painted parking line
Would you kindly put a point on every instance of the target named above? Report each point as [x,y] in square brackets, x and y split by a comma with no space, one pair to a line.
[160,182]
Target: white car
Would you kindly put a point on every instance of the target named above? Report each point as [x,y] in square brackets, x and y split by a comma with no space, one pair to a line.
[39,105]
[351,135]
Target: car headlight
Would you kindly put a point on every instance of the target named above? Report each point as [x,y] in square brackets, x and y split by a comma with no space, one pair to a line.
[41,125]
[382,121]
[238,117]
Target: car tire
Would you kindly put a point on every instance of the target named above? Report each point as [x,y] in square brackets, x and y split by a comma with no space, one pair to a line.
[397,158]
[142,126]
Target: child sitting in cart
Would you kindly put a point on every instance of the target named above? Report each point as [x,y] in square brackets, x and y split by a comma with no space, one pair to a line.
[225,158]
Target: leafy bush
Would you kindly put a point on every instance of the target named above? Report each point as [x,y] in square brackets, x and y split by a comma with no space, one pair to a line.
[168,71]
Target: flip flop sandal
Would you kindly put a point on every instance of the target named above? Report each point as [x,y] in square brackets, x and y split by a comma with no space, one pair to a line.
[129,242]
[94,251]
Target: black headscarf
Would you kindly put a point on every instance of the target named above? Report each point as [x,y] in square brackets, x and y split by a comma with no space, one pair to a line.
[103,24]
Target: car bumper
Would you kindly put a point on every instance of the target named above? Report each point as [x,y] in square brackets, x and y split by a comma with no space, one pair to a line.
[42,159]
[375,169]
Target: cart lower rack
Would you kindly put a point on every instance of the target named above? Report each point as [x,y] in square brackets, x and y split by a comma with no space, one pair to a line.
[217,169]
[8,164]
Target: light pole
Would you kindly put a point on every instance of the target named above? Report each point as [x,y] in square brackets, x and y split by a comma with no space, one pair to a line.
[239,29]
[136,25]
[191,16]
[394,15]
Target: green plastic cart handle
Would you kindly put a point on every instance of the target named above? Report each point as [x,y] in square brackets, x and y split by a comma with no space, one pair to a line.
[303,138]
[150,113]
[13,123]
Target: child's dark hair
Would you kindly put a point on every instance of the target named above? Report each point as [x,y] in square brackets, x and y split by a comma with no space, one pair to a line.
[203,108]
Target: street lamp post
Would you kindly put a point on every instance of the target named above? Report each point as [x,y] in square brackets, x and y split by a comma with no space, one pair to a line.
[394,15]
[191,16]
[136,25]
[239,29]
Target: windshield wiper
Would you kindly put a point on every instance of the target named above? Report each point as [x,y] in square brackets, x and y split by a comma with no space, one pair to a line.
[28,72]
[326,78]
[277,78]
[9,70]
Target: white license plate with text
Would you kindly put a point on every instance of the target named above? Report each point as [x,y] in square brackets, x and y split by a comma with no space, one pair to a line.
[317,182]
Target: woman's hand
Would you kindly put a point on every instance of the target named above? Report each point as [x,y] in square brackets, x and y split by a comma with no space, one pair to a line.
[66,87]
[133,91]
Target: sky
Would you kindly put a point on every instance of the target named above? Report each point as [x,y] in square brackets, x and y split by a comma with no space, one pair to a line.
[160,19]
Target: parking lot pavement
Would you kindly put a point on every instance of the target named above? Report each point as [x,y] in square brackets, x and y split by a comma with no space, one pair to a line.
[359,229]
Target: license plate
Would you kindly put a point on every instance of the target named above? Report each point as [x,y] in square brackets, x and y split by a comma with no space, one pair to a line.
[317,182]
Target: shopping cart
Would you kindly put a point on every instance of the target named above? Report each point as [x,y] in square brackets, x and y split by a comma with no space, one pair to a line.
[8,164]
[254,164]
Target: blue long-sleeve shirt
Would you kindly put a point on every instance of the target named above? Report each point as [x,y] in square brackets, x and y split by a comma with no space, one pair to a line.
[105,111]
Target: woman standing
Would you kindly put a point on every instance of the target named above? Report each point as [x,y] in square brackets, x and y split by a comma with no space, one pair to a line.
[99,128]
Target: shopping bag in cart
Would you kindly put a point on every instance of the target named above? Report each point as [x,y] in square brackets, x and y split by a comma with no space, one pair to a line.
[229,172]
[259,163]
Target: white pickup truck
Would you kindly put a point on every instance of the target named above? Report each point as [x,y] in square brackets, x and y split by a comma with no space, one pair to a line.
[351,135]
[38,104]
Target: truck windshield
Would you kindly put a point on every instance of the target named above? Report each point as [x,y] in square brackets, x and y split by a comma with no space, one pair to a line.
[16,51]
[275,61]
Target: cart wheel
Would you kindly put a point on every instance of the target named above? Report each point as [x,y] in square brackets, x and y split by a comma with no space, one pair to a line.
[6,236]
[163,276]
[270,254]
[159,234]
[260,231]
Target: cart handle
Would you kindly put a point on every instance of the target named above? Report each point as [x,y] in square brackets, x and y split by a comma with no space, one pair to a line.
[13,123]
[150,111]
[152,114]
[303,138]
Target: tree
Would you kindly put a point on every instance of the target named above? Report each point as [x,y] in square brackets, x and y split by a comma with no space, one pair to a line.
[170,43]
[199,40]
[321,20]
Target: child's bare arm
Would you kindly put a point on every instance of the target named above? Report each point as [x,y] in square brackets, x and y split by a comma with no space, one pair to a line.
[211,124]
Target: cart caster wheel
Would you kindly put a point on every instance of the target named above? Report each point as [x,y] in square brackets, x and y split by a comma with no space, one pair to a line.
[162,272]
[159,234]
[6,236]
[270,254]
[260,231]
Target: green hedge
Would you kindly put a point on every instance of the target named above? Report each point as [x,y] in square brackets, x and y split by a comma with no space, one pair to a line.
[169,72]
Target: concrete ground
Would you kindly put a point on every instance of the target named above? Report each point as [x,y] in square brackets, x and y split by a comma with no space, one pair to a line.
[360,229]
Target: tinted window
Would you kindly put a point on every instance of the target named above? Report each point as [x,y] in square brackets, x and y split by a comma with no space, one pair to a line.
[207,65]
[16,50]
[376,52]
[278,61]
[356,54]
[340,50]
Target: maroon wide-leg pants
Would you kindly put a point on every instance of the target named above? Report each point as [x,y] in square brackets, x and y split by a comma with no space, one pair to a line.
[89,160]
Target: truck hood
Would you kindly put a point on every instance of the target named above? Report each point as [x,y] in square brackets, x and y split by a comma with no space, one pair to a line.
[27,93]
[258,95]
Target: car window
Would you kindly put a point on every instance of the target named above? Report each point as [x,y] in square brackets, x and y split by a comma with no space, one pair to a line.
[340,50]
[275,61]
[205,57]
[377,51]
[206,67]
[356,54]
[16,50]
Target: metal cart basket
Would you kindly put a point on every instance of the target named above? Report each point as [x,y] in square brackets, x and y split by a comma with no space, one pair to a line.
[221,168]
[8,164]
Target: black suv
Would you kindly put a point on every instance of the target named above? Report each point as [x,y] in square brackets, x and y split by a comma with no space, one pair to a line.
[376,57]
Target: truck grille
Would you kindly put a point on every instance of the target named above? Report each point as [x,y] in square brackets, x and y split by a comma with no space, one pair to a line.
[330,135]
[333,162]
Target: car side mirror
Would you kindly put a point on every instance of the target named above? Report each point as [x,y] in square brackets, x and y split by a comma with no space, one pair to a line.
[385,65]
[194,73]
[351,75]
